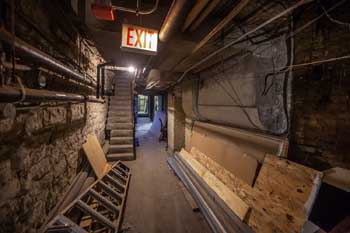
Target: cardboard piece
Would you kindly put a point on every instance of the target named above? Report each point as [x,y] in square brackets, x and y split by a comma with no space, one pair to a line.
[227,153]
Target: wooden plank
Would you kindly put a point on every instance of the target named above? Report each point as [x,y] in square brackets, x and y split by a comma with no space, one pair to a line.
[96,156]
[239,207]
[235,11]
[189,198]
[338,177]
[278,197]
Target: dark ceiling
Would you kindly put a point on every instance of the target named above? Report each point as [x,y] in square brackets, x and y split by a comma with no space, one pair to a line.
[177,54]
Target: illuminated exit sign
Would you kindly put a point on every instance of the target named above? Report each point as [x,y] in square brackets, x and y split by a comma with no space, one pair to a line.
[139,39]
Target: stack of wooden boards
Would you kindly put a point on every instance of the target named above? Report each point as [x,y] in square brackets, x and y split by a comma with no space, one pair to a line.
[275,202]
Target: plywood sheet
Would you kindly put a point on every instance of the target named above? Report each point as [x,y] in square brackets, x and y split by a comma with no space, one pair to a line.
[96,156]
[278,197]
[239,207]
[227,153]
[282,189]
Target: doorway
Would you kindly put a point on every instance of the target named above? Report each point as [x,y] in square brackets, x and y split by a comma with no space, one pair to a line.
[143,106]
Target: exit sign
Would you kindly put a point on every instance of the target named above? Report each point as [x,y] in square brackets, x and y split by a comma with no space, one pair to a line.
[139,39]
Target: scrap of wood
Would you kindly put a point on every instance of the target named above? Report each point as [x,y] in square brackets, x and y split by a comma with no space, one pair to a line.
[189,198]
[338,177]
[96,156]
[233,202]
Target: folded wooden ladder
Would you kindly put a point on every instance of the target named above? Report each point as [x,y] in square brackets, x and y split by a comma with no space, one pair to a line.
[101,205]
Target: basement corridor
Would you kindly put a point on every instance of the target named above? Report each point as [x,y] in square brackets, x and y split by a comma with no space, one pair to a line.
[174,116]
[156,203]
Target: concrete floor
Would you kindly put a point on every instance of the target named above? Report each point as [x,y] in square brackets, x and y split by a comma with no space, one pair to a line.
[156,203]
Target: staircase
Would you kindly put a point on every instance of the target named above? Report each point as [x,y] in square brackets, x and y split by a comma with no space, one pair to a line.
[120,121]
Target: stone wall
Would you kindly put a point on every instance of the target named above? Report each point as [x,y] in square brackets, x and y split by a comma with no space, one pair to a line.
[320,134]
[40,149]
[40,155]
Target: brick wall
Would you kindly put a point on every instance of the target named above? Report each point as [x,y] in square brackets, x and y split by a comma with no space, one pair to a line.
[320,132]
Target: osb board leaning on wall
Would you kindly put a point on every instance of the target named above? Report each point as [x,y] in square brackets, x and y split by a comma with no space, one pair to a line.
[278,197]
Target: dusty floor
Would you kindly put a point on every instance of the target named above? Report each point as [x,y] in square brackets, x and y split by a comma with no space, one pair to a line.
[156,203]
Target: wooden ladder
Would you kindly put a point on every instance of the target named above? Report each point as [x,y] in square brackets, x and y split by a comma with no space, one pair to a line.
[101,206]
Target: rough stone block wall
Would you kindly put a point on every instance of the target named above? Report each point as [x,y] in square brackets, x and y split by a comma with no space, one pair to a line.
[40,155]
[40,149]
[320,134]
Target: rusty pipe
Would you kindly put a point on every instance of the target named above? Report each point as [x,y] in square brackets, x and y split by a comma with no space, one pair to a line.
[173,21]
[10,94]
[23,47]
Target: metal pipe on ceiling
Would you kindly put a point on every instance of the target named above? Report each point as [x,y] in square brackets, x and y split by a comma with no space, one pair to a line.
[234,12]
[27,50]
[288,10]
[195,11]
[174,19]
[138,11]
[10,94]
[204,14]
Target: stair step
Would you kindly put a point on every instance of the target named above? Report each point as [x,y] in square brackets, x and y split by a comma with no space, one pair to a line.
[122,80]
[119,114]
[120,156]
[120,148]
[119,109]
[120,140]
[128,106]
[123,88]
[119,119]
[119,103]
[120,98]
[119,125]
[122,133]
[125,95]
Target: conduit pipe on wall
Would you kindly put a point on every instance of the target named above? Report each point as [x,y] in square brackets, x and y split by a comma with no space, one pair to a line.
[10,94]
[27,50]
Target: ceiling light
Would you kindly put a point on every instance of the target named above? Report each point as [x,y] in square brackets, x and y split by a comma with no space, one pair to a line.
[131,69]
